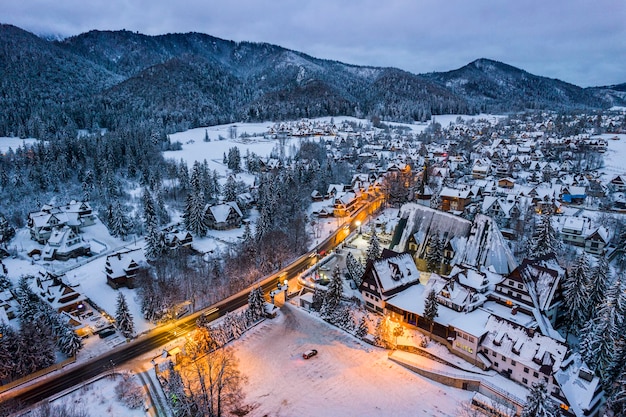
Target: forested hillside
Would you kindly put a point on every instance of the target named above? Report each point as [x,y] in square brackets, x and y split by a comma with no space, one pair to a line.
[172,82]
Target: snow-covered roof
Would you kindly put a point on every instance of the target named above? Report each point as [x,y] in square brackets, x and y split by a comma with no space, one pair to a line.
[578,384]
[532,349]
[221,211]
[473,322]
[119,263]
[396,271]
[478,243]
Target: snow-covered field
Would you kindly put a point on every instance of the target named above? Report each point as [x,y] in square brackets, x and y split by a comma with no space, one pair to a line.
[346,378]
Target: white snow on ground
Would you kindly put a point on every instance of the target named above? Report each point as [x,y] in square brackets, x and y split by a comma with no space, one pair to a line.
[14,143]
[614,156]
[99,399]
[346,378]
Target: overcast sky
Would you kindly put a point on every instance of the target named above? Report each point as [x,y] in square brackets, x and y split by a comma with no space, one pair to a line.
[578,41]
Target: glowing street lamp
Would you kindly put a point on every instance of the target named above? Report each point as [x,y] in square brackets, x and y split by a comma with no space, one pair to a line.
[358,224]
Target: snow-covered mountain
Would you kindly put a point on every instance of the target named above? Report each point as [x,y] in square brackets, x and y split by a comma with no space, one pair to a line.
[177,81]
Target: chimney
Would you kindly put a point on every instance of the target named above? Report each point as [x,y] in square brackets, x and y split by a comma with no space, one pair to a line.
[514,310]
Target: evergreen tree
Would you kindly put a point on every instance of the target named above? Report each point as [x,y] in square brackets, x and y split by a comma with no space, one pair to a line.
[230,189]
[194,215]
[381,333]
[149,211]
[576,296]
[174,388]
[373,249]
[248,244]
[538,402]
[545,241]
[334,291]
[431,308]
[598,283]
[256,305]
[69,342]
[362,329]
[6,230]
[617,397]
[234,159]
[120,224]
[599,347]
[123,317]
[8,342]
[434,254]
[355,268]
[155,243]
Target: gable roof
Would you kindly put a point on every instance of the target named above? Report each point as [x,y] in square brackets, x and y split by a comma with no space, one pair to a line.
[394,271]
[478,243]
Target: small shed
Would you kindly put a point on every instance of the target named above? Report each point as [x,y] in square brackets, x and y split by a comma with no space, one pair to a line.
[306,300]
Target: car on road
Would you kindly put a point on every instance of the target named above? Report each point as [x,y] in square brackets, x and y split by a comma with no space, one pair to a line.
[309,353]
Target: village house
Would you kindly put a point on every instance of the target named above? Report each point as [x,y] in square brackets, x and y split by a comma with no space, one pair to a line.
[76,215]
[64,243]
[59,295]
[464,241]
[345,204]
[387,276]
[223,216]
[455,200]
[175,238]
[122,268]
[580,231]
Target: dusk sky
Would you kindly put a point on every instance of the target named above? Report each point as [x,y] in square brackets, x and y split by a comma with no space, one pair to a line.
[579,41]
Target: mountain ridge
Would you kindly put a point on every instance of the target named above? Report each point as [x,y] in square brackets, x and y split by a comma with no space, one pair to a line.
[177,81]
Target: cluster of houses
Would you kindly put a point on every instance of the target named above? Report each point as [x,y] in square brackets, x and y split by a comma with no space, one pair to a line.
[493,312]
[59,227]
[506,172]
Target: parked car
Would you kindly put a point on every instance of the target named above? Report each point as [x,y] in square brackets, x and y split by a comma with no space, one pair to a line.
[106,333]
[309,353]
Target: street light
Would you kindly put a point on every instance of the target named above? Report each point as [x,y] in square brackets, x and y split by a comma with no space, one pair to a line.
[286,286]
[358,224]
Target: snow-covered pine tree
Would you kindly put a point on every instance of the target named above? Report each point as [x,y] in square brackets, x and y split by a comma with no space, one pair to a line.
[234,159]
[69,342]
[538,402]
[121,225]
[123,317]
[381,333]
[174,388]
[194,214]
[600,351]
[431,308]
[355,268]
[149,210]
[6,230]
[155,244]
[373,248]
[248,244]
[545,241]
[362,329]
[230,189]
[598,283]
[8,343]
[318,299]
[35,348]
[332,298]
[435,201]
[162,214]
[434,254]
[576,297]
[617,398]
[256,305]
[183,177]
